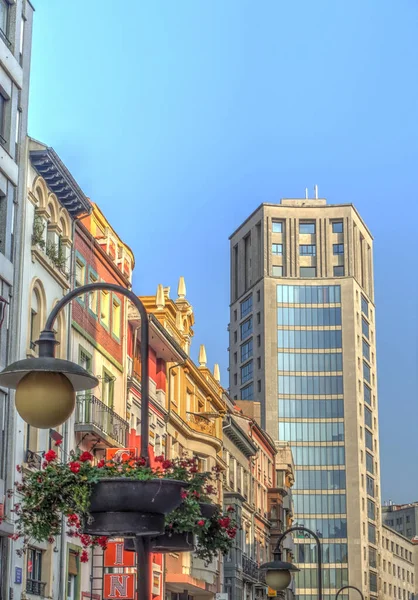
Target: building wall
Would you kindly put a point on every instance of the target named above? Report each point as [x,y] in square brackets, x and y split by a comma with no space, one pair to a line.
[403,518]
[398,567]
[309,330]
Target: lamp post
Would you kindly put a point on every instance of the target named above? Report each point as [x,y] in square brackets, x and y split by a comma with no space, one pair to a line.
[278,572]
[46,386]
[349,587]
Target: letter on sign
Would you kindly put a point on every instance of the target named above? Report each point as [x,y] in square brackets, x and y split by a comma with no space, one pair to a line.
[118,586]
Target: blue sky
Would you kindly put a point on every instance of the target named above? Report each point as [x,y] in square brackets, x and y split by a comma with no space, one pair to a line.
[179,118]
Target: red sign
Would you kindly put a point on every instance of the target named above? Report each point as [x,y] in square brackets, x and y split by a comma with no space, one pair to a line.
[115,556]
[119,585]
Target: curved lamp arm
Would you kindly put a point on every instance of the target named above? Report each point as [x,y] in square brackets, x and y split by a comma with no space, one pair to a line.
[47,342]
[278,551]
[349,587]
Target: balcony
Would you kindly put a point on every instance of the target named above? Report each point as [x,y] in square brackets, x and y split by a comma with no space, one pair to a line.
[249,568]
[36,588]
[95,417]
[201,424]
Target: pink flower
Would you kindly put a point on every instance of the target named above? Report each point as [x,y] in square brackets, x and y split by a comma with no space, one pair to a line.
[85,456]
[201,522]
[184,494]
[50,456]
[85,540]
[84,556]
[75,467]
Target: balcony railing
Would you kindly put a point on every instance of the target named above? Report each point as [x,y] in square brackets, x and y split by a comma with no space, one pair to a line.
[249,567]
[201,424]
[92,414]
[36,588]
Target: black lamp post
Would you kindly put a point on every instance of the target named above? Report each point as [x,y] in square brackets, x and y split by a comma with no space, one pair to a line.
[349,587]
[46,386]
[278,572]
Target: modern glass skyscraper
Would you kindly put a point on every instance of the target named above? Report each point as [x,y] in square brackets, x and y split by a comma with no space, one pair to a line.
[302,343]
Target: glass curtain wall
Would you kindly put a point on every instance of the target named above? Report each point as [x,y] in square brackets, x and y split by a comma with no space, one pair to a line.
[311,418]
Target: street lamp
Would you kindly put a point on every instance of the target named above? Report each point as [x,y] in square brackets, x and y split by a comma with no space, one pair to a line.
[278,572]
[45,392]
[349,587]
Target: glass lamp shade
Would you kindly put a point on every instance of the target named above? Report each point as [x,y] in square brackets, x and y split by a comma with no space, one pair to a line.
[278,579]
[45,400]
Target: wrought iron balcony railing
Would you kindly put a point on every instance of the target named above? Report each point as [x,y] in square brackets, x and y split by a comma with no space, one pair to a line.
[249,568]
[93,415]
[36,588]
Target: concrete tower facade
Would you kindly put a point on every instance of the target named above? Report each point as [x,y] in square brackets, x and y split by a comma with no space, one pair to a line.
[302,342]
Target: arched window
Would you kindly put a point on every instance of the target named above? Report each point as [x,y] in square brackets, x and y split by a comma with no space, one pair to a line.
[35,319]
[59,328]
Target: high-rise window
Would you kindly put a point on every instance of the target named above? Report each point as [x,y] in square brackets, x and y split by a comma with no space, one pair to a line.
[277,249]
[366,350]
[307,227]
[367,394]
[338,271]
[246,306]
[246,328]
[369,440]
[247,350]
[3,103]
[247,372]
[366,372]
[365,328]
[247,392]
[337,227]
[370,486]
[364,306]
[277,271]
[277,226]
[309,316]
[307,271]
[368,420]
[307,250]
[338,248]
[369,463]
[309,294]
[4,12]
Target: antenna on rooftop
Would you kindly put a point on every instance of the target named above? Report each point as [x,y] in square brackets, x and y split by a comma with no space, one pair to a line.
[316,192]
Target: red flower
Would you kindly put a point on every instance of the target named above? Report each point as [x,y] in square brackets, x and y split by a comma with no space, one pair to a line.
[184,494]
[196,494]
[85,540]
[232,532]
[44,464]
[85,456]
[84,556]
[142,461]
[194,469]
[201,522]
[210,489]
[18,468]
[101,464]
[50,456]
[58,443]
[159,458]
[102,541]
[230,509]
[224,522]
[14,537]
[167,464]
[73,520]
[51,540]
[74,467]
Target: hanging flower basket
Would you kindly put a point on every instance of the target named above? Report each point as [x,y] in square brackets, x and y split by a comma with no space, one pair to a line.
[122,499]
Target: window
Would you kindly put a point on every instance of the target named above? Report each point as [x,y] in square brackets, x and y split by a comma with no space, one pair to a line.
[370,486]
[277,226]
[306,227]
[338,248]
[235,379]
[369,440]
[337,227]
[80,272]
[372,533]
[308,271]
[408,519]
[366,372]
[2,109]
[258,295]
[258,318]
[368,417]
[369,463]
[307,250]
[371,510]
[93,296]
[364,306]
[235,358]
[259,385]
[105,309]
[246,306]
[373,582]
[235,315]
[372,558]
[258,341]
[367,394]
[246,328]
[72,582]
[339,271]
[34,584]
[277,271]
[259,362]
[365,328]
[366,350]
[277,249]
[247,392]
[247,372]
[235,337]
[85,359]
[116,314]
[108,388]
[247,350]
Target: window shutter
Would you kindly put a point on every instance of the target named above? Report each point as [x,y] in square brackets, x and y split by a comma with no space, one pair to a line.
[72,564]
